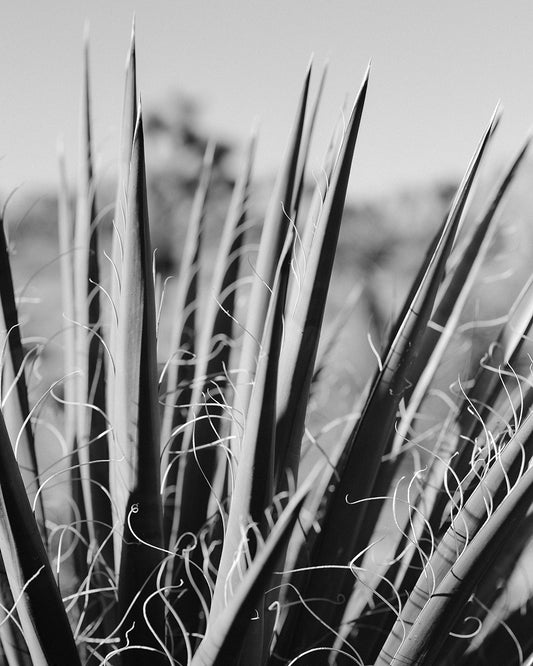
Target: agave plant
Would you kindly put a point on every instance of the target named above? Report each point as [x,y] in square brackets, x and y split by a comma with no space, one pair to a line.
[196,537]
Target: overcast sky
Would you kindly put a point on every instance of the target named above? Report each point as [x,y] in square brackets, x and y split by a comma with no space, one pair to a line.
[438,70]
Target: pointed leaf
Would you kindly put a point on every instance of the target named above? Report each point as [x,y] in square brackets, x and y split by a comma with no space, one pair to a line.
[448,309]
[15,404]
[303,327]
[129,117]
[464,528]
[430,629]
[222,641]
[45,626]
[352,483]
[137,429]
[254,483]
[180,371]
[276,224]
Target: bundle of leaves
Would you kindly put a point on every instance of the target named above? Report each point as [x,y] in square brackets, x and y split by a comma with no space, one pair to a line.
[196,534]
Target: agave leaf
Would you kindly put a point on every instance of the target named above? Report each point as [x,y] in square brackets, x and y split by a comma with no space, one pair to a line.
[217,338]
[304,240]
[85,216]
[45,626]
[15,404]
[466,525]
[181,369]
[85,245]
[439,488]
[203,461]
[12,643]
[129,117]
[491,603]
[223,638]
[444,319]
[447,312]
[424,639]
[276,224]
[357,470]
[487,386]
[137,430]
[90,606]
[456,211]
[377,617]
[303,327]
[319,196]
[180,397]
[66,241]
[306,142]
[480,407]
[90,464]
[98,448]
[396,375]
[436,338]
[254,483]
[257,465]
[307,230]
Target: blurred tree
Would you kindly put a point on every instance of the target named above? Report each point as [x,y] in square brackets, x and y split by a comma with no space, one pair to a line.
[175,146]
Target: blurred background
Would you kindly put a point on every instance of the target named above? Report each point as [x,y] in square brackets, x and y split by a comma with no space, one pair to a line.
[213,70]
[438,70]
